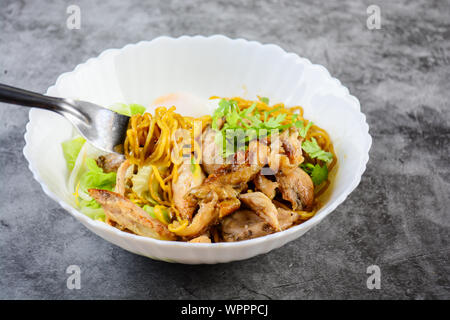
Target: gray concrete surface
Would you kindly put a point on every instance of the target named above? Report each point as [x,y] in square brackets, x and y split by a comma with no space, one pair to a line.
[398,218]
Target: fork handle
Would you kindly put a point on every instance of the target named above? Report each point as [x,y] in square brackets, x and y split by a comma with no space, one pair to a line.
[27,98]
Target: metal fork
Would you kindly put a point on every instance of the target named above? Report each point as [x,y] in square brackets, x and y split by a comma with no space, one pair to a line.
[103,128]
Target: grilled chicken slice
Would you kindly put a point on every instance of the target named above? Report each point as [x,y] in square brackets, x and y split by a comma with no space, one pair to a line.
[286,151]
[227,207]
[287,218]
[243,225]
[246,224]
[233,179]
[269,188]
[116,225]
[263,207]
[130,216]
[245,168]
[207,215]
[201,239]
[186,181]
[212,160]
[121,177]
[110,162]
[292,146]
[296,187]
[223,188]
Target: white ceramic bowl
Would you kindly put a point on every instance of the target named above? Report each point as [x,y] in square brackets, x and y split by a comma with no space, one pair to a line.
[203,66]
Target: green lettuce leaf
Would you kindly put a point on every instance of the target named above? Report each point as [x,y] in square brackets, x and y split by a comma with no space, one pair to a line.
[128,109]
[136,108]
[95,178]
[264,100]
[71,149]
[92,209]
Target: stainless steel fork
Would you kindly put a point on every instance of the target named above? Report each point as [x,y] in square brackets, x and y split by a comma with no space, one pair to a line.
[103,128]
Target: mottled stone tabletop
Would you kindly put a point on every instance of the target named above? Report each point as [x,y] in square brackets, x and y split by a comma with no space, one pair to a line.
[397,218]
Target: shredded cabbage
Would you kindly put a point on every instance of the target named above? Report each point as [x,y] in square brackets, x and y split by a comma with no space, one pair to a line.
[140,184]
[158,212]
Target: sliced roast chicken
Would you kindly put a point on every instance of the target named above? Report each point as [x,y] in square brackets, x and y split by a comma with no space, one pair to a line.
[294,184]
[244,225]
[130,216]
[296,187]
[189,176]
[266,186]
[212,160]
[263,207]
[247,224]
[110,162]
[217,196]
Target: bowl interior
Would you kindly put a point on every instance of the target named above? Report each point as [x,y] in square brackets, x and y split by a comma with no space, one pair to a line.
[204,67]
